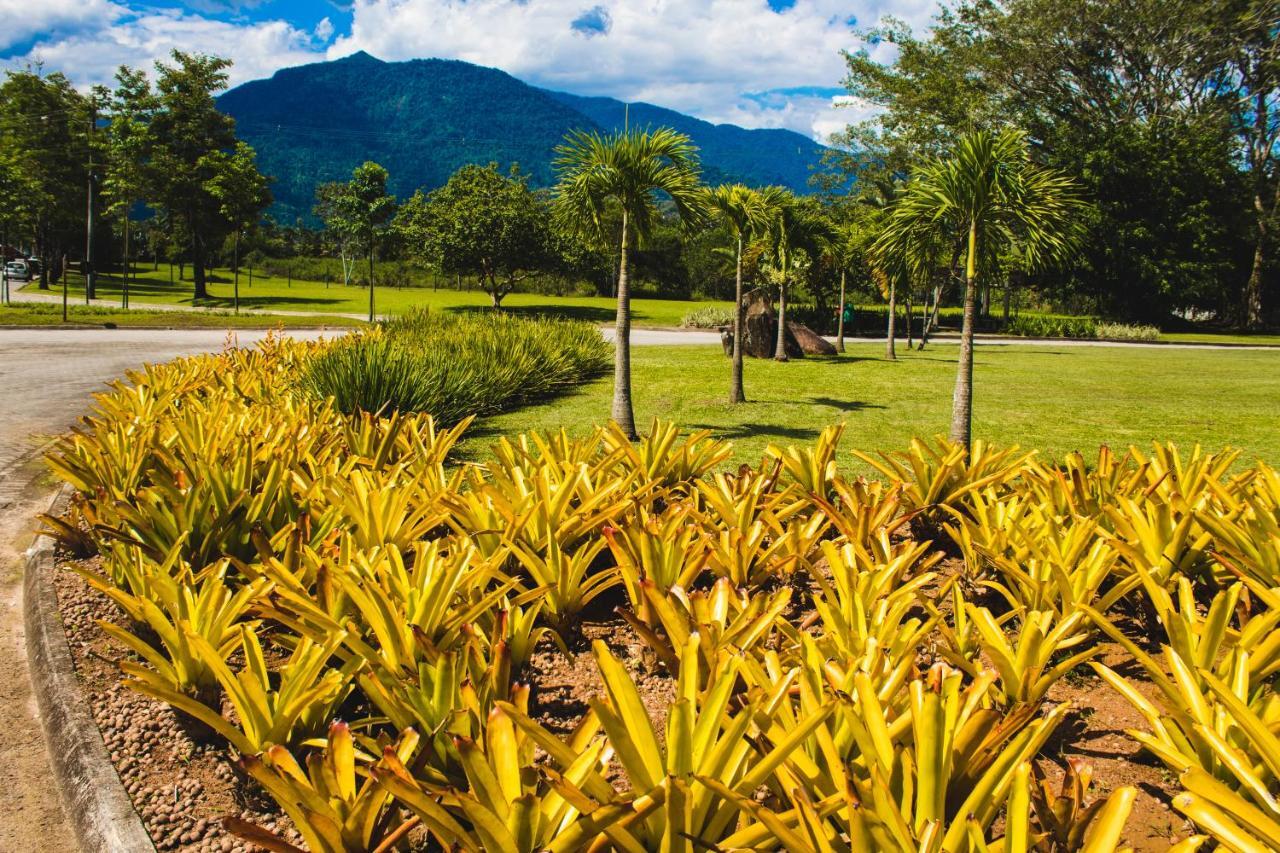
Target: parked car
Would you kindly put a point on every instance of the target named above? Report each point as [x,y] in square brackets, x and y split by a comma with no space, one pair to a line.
[18,271]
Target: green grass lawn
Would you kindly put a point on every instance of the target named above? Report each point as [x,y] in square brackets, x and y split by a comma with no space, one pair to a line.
[277,294]
[41,314]
[1220,338]
[1053,400]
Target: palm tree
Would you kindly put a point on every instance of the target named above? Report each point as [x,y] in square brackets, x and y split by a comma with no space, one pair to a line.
[626,169]
[796,234]
[888,270]
[988,193]
[743,212]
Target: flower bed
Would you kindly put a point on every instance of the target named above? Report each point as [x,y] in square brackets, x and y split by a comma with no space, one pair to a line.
[591,642]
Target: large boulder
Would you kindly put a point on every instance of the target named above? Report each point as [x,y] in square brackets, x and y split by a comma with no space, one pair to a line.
[760,329]
[810,341]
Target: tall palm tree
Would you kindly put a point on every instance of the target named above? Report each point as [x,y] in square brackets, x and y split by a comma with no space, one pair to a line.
[987,192]
[797,234]
[888,270]
[744,213]
[626,169]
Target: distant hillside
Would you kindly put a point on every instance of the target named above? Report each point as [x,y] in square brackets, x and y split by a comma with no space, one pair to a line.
[728,152]
[424,118]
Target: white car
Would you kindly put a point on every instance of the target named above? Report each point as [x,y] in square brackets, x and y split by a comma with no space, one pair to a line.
[17,270]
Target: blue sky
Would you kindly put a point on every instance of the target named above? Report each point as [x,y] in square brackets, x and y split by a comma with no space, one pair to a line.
[758,63]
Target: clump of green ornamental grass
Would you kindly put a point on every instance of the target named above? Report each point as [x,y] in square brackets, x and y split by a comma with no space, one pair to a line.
[455,365]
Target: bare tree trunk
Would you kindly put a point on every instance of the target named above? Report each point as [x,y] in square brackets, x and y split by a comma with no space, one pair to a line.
[124,277]
[623,415]
[840,317]
[736,392]
[197,270]
[1008,298]
[890,342]
[910,317]
[931,317]
[235,272]
[962,399]
[1253,290]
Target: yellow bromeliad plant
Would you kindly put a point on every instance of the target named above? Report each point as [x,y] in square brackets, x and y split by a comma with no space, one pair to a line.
[822,676]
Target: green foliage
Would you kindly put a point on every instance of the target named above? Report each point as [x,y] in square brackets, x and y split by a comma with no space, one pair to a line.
[1051,326]
[456,366]
[710,317]
[481,223]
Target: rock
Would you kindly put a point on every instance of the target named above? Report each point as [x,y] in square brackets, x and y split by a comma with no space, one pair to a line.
[760,330]
[810,341]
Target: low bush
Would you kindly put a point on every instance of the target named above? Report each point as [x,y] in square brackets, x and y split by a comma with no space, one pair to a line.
[1127,332]
[710,317]
[455,366]
[1051,326]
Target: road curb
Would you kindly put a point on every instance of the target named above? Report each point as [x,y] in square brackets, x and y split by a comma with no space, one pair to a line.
[96,805]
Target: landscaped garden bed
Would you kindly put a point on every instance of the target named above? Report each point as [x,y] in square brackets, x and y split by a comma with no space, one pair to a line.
[334,635]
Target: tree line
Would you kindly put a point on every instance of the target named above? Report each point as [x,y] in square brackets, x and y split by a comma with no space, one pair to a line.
[1167,112]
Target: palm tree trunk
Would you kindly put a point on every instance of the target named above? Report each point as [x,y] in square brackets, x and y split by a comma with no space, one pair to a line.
[910,317]
[840,317]
[623,415]
[235,272]
[962,399]
[736,392]
[371,315]
[931,316]
[780,349]
[889,351]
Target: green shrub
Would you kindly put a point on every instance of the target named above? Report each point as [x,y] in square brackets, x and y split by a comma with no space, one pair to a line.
[453,366]
[1050,326]
[1128,332]
[710,317]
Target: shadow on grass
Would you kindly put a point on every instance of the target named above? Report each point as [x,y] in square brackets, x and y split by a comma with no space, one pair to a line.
[756,430]
[844,405]
[571,312]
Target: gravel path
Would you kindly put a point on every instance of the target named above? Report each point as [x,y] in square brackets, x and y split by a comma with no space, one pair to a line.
[46,382]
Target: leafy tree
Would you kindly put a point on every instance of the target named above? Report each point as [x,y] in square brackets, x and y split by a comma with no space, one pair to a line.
[128,148]
[626,168]
[44,125]
[1145,102]
[242,193]
[187,128]
[488,225]
[744,213]
[987,190]
[360,210]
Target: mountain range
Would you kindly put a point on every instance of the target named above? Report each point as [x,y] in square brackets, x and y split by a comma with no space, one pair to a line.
[424,118]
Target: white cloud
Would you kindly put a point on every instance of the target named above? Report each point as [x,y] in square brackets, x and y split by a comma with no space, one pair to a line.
[697,56]
[257,49]
[21,20]
[709,58]
[324,30]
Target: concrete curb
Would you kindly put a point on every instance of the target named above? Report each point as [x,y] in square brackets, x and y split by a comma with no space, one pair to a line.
[96,805]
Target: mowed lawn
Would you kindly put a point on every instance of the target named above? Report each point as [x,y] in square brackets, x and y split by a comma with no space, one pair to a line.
[278,294]
[1052,399]
[41,314]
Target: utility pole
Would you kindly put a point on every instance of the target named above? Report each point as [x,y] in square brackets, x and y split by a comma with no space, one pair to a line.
[90,276]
